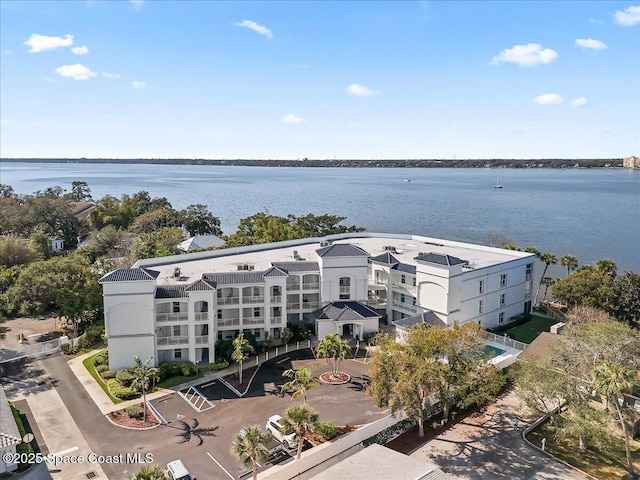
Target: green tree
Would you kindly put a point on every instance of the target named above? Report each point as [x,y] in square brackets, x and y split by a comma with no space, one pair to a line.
[198,220]
[612,380]
[334,350]
[586,286]
[548,259]
[301,381]
[570,262]
[143,374]
[547,282]
[13,251]
[154,220]
[150,472]
[249,446]
[303,419]
[607,267]
[625,301]
[311,225]
[40,242]
[6,191]
[159,243]
[241,350]
[80,192]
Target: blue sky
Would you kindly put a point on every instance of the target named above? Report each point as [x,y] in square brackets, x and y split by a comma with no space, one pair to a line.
[287,80]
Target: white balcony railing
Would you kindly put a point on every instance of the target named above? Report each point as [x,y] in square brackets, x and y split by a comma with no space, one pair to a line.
[405,286]
[293,286]
[276,320]
[201,316]
[202,339]
[310,304]
[228,300]
[311,286]
[252,299]
[376,301]
[276,299]
[293,306]
[172,317]
[345,290]
[228,322]
[172,340]
[373,280]
[405,307]
[253,320]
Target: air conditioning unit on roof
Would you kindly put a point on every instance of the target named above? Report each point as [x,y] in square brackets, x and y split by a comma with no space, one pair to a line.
[389,248]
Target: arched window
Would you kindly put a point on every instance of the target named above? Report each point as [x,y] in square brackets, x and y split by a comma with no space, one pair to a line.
[345,288]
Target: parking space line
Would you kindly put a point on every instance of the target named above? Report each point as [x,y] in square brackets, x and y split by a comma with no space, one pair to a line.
[224,469]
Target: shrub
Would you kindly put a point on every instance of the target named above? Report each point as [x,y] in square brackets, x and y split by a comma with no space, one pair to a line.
[133,411]
[218,365]
[68,348]
[328,430]
[107,374]
[176,367]
[102,368]
[101,359]
[124,376]
[84,342]
[118,391]
[224,348]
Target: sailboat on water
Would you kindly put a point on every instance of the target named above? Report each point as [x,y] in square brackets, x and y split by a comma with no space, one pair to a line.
[497,185]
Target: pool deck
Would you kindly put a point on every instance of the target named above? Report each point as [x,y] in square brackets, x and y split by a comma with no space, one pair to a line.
[506,358]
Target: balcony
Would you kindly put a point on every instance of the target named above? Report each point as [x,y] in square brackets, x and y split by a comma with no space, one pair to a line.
[345,290]
[228,322]
[293,286]
[202,339]
[310,305]
[228,300]
[252,299]
[376,301]
[405,307]
[253,321]
[405,286]
[172,317]
[276,299]
[311,286]
[201,316]
[276,320]
[293,306]
[172,340]
[373,280]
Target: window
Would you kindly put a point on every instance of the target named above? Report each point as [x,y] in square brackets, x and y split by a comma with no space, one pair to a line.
[414,281]
[177,354]
[256,291]
[176,330]
[204,329]
[481,287]
[503,299]
[176,307]
[403,279]
[503,280]
[219,314]
[501,317]
[529,269]
[256,333]
[256,311]
[345,288]
[345,281]
[414,300]
[402,298]
[480,306]
[276,311]
[219,335]
[275,291]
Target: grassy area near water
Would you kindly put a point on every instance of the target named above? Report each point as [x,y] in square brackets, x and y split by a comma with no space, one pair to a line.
[529,331]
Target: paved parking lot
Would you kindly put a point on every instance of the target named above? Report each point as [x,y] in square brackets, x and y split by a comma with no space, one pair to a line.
[202,439]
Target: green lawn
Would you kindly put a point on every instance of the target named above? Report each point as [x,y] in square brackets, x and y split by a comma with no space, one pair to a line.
[88,364]
[177,380]
[527,332]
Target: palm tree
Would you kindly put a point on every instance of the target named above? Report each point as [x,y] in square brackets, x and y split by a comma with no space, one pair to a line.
[150,472]
[248,446]
[301,382]
[612,380]
[606,266]
[241,350]
[334,349]
[570,262]
[548,259]
[303,419]
[142,376]
[195,431]
[547,282]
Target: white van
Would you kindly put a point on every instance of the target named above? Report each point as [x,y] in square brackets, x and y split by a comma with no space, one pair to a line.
[177,471]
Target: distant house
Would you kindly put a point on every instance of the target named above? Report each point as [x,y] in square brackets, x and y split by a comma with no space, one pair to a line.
[403,325]
[631,162]
[9,434]
[57,244]
[81,209]
[201,242]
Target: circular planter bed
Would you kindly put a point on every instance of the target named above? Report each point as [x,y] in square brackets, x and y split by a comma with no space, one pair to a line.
[338,379]
[122,419]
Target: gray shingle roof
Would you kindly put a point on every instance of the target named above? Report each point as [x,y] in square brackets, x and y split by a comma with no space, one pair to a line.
[275,272]
[345,311]
[171,292]
[386,258]
[440,259]
[9,433]
[234,278]
[341,250]
[200,285]
[200,242]
[297,266]
[130,275]
[427,317]
[404,267]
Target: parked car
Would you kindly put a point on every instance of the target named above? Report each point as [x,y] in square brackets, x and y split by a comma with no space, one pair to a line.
[276,427]
[177,471]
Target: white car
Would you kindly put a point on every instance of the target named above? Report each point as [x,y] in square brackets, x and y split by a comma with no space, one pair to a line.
[177,471]
[275,426]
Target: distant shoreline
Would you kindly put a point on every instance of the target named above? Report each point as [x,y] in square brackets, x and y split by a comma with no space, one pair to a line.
[426,163]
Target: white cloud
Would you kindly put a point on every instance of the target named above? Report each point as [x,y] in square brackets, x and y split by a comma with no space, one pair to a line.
[139,85]
[83,50]
[579,102]
[40,43]
[548,99]
[590,43]
[77,72]
[360,90]
[628,17]
[256,27]
[111,76]
[137,3]
[525,55]
[292,118]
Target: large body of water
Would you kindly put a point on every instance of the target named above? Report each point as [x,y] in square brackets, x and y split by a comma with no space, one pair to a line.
[589,213]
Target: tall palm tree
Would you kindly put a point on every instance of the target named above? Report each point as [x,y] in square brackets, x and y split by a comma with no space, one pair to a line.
[548,259]
[334,349]
[570,262]
[302,380]
[303,419]
[195,431]
[547,282]
[248,446]
[143,373]
[241,350]
[606,266]
[150,472]
[612,380]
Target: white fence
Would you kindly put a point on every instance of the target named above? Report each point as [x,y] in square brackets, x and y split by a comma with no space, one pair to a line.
[506,341]
[35,349]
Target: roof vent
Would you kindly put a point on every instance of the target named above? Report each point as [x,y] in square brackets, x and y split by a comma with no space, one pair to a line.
[246,266]
[389,248]
[325,243]
[176,272]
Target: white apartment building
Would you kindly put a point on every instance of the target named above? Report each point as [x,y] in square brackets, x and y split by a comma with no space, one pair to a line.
[178,307]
